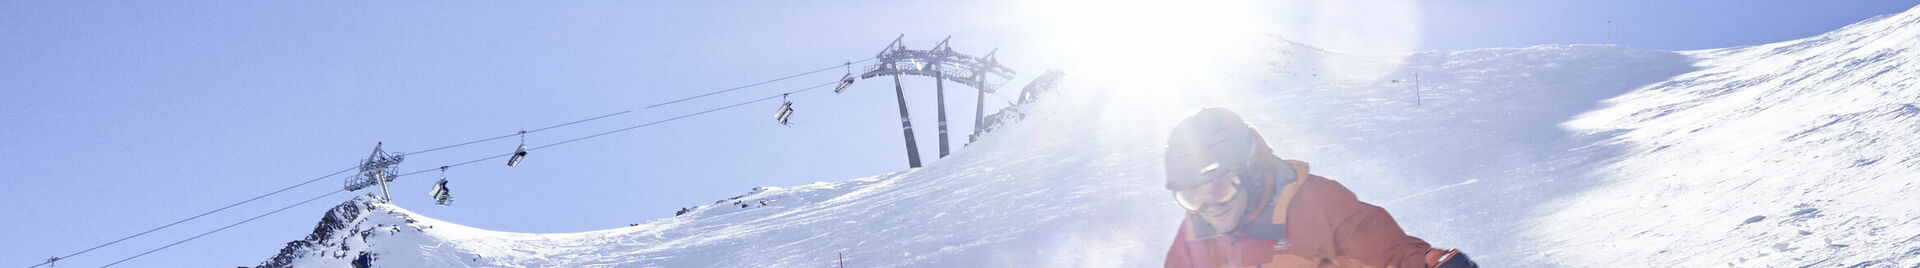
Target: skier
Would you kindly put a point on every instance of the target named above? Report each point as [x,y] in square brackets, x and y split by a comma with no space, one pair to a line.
[1246,207]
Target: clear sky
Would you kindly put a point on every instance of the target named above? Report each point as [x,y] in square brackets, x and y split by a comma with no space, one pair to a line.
[120,117]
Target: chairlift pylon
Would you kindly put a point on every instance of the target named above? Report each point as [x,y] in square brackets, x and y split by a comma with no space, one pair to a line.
[379,168]
[785,112]
[441,194]
[520,153]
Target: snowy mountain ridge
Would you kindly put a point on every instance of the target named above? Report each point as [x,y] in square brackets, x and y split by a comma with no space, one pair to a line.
[1796,153]
[349,230]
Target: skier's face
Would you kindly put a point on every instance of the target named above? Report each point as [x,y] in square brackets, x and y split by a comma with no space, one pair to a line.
[1216,197]
[1212,188]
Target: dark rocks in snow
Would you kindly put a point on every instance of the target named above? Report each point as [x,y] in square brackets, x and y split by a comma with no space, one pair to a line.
[738,200]
[337,220]
[763,202]
[364,261]
[330,236]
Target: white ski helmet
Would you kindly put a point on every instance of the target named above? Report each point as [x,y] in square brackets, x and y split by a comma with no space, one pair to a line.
[1211,136]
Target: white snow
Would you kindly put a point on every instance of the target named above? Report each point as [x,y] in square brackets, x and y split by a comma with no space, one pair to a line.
[1797,153]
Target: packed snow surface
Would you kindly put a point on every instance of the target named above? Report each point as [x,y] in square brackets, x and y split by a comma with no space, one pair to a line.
[1798,153]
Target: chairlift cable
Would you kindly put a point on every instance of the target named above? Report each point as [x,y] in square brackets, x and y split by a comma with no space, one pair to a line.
[689,115]
[847,65]
[225,227]
[1003,84]
[656,122]
[198,216]
[519,133]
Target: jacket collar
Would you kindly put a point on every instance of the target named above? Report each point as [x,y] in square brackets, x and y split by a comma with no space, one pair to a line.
[1277,184]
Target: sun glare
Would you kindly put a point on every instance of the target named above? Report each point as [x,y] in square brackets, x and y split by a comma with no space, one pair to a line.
[1170,44]
[1152,51]
[1168,57]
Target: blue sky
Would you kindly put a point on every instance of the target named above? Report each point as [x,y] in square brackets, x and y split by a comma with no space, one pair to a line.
[120,117]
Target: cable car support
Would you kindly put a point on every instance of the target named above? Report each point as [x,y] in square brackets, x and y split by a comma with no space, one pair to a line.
[943,64]
[379,168]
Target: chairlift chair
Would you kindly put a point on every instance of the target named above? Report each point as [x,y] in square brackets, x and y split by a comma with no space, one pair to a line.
[441,194]
[844,82]
[785,112]
[519,153]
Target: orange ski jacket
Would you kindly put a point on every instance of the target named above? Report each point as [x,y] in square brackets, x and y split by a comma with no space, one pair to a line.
[1325,226]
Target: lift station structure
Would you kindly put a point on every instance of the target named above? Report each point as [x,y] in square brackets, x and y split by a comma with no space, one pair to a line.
[943,64]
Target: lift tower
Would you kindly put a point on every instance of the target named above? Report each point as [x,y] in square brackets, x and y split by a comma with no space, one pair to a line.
[379,168]
[943,64]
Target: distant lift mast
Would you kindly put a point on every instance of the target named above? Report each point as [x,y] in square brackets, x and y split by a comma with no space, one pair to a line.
[379,168]
[943,64]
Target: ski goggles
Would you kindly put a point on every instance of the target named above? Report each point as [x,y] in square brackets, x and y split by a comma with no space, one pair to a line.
[1214,187]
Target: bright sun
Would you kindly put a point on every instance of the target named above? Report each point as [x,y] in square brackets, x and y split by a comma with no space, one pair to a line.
[1158,44]
[1171,56]
[1150,44]
[1159,58]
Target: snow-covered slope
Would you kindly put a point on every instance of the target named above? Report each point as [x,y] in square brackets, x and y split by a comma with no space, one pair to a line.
[1053,198]
[1798,153]
[1510,154]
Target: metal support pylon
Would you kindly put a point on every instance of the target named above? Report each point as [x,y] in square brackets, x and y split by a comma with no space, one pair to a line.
[940,88]
[383,188]
[940,63]
[906,124]
[379,168]
[979,111]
